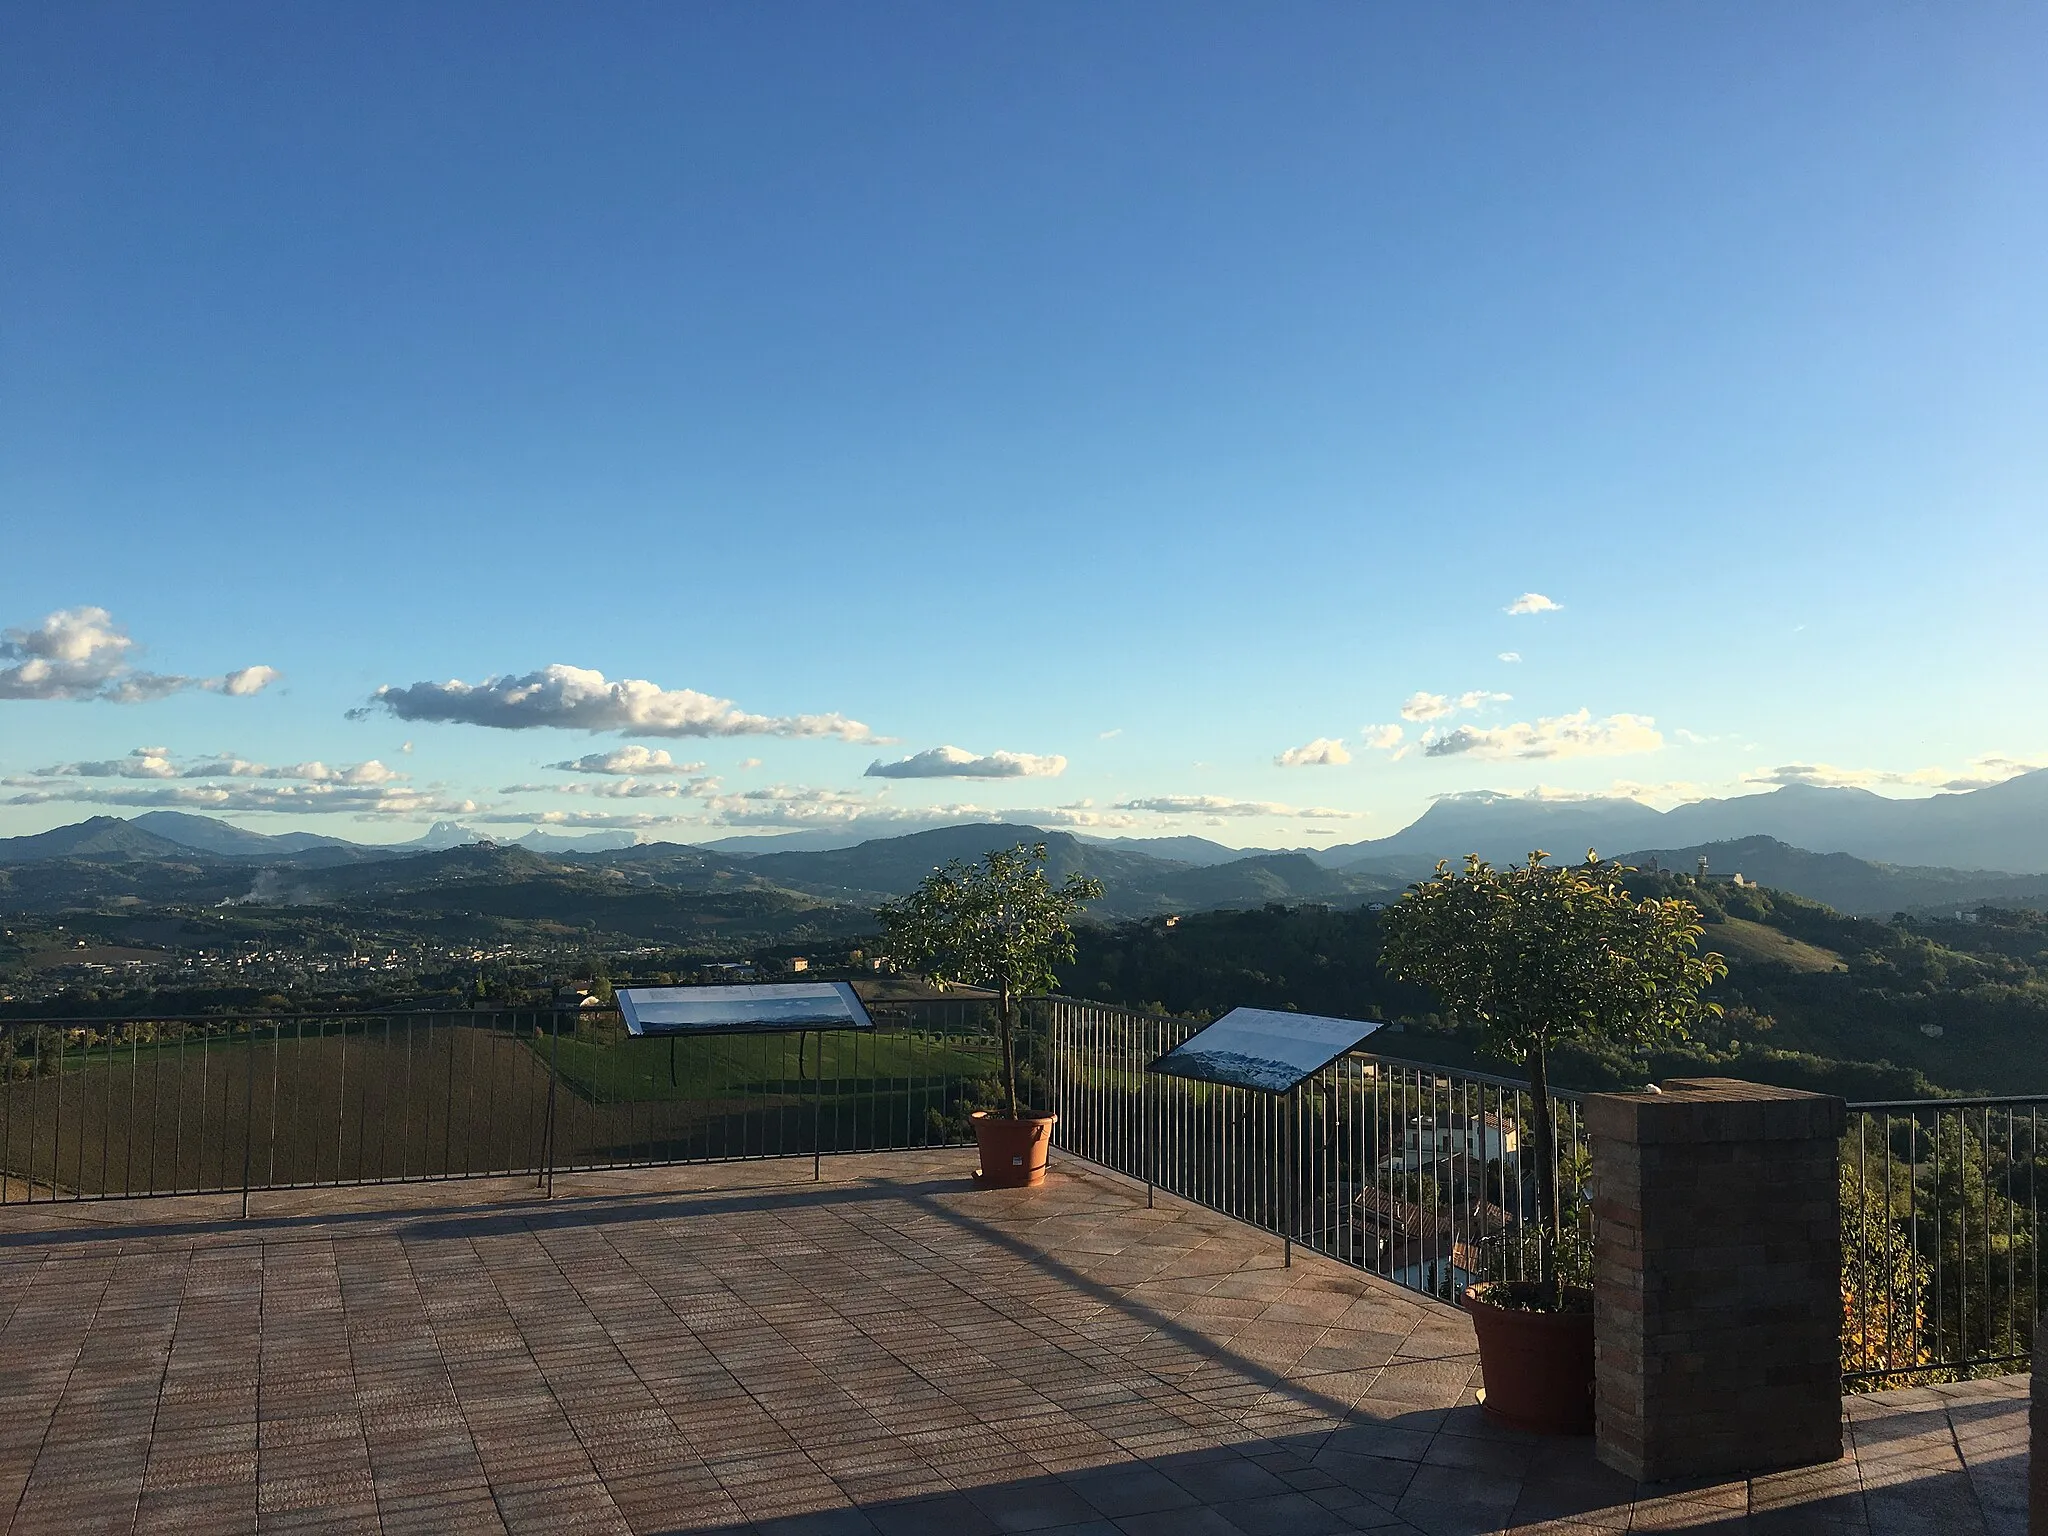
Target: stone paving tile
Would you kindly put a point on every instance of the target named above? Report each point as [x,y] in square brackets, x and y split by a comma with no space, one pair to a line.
[736,1349]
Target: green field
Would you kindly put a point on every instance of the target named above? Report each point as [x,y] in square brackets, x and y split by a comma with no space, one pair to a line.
[433,1096]
[627,1099]
[1738,939]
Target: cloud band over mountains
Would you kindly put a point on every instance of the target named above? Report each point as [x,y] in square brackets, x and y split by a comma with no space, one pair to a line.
[1574,735]
[579,699]
[159,763]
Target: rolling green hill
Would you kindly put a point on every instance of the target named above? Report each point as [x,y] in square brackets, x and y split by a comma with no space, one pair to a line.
[1813,997]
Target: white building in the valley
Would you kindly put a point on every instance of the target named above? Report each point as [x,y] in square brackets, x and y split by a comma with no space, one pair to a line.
[1431,1141]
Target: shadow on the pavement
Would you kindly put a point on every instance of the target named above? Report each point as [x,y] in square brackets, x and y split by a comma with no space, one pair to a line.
[492,1214]
[1411,1472]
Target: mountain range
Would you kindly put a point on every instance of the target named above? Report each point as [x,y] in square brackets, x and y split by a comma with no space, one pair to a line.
[2001,827]
[1986,845]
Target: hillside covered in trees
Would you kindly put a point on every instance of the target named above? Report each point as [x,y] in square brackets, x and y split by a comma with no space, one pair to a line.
[1813,998]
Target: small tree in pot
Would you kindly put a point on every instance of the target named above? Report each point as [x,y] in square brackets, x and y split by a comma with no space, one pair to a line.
[1540,955]
[1003,925]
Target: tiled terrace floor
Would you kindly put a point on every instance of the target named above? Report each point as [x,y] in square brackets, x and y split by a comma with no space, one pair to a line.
[738,1349]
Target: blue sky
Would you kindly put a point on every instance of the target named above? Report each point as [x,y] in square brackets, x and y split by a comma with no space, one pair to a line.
[1142,392]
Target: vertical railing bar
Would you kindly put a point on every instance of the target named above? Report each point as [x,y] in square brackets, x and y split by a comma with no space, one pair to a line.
[7,1110]
[1963,1235]
[384,1118]
[248,1113]
[341,1108]
[448,1102]
[1892,1235]
[554,1078]
[1863,1236]
[178,1138]
[1940,1246]
[472,1126]
[2012,1331]
[405,1128]
[363,1105]
[270,1163]
[156,1084]
[35,1109]
[57,1121]
[107,1112]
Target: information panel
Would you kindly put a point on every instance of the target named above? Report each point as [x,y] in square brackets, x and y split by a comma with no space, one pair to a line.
[769,1008]
[1262,1048]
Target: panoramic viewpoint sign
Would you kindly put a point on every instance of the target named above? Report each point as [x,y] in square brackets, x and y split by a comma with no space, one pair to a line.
[1262,1048]
[774,1008]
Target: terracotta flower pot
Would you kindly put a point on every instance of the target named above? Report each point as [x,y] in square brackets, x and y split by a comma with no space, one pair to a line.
[1012,1151]
[1538,1365]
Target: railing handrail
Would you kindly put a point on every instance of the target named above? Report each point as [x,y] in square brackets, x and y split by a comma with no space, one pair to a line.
[1961,1101]
[78,1021]
[572,1010]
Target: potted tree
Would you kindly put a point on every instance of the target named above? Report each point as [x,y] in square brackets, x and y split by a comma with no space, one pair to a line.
[1003,925]
[1540,955]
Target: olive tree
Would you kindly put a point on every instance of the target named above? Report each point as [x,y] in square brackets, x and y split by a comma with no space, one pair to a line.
[1540,955]
[999,924]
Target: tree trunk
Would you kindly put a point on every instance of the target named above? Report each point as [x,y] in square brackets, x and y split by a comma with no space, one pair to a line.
[1009,1052]
[1543,1132]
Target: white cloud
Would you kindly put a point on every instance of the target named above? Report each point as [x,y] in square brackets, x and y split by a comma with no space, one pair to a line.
[578,699]
[247,680]
[1980,772]
[628,760]
[1510,655]
[1218,805]
[957,763]
[1533,602]
[1540,794]
[1081,813]
[623,789]
[1667,794]
[1110,735]
[1573,735]
[369,772]
[2007,767]
[158,763]
[1323,752]
[610,820]
[73,654]
[783,805]
[1437,706]
[1384,738]
[790,805]
[81,653]
[142,763]
[1663,794]
[366,801]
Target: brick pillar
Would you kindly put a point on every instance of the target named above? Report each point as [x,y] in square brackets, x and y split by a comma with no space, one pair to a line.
[1717,1312]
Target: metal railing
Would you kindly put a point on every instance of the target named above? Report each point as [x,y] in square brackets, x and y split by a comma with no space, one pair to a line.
[1420,1174]
[1941,1239]
[108,1108]
[1417,1173]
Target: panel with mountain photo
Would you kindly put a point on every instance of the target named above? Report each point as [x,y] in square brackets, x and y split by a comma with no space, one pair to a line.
[1262,1048]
